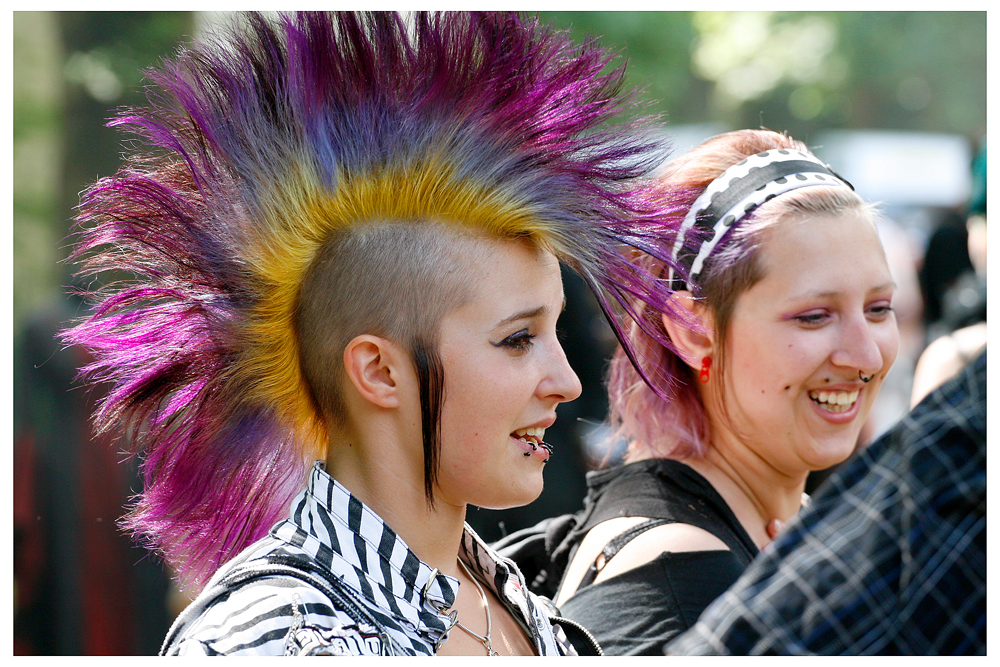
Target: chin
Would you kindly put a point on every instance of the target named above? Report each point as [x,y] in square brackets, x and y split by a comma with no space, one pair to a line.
[830,454]
[512,497]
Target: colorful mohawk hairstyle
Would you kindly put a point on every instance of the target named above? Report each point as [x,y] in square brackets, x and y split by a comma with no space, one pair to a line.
[265,141]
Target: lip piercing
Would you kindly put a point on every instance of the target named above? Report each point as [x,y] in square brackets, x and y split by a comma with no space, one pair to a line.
[544,445]
[864,379]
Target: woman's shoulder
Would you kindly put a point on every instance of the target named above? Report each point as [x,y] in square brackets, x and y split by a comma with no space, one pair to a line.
[648,508]
[272,614]
[620,545]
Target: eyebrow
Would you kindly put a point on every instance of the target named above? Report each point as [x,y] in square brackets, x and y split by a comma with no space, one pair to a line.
[528,314]
[832,293]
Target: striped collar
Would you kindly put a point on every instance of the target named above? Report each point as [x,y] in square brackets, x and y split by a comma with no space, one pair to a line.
[344,535]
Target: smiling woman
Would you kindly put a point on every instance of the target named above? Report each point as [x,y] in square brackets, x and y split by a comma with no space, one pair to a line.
[505,373]
[345,241]
[802,342]
[758,361]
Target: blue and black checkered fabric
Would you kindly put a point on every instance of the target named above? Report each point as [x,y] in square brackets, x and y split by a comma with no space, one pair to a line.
[890,556]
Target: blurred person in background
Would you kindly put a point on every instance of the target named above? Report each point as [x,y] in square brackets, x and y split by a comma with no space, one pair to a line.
[958,333]
[946,262]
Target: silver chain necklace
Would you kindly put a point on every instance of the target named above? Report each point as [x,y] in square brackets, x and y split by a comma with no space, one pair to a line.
[486,640]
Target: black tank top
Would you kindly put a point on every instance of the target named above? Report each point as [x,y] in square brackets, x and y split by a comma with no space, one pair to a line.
[639,611]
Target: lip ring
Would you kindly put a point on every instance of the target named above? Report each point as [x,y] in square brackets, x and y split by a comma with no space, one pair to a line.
[531,449]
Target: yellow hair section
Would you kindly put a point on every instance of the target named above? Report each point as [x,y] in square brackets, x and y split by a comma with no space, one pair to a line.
[296,230]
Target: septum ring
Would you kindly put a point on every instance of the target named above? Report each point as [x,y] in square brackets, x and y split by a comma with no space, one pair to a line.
[864,379]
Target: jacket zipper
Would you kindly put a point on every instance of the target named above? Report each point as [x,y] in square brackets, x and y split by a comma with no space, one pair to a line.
[584,631]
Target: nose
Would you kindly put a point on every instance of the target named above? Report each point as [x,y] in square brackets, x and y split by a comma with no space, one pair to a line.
[861,346]
[561,382]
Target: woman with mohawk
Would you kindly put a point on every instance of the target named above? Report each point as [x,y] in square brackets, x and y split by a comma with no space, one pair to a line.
[344,245]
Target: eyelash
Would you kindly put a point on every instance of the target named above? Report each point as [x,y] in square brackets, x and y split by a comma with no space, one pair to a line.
[882,310]
[520,341]
[816,319]
[811,319]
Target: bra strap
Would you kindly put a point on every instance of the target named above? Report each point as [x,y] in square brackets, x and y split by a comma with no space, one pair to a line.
[616,545]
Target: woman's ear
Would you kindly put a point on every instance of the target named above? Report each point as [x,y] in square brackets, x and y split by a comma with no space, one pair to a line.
[694,337]
[374,366]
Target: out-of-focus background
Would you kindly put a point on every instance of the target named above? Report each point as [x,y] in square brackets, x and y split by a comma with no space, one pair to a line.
[895,101]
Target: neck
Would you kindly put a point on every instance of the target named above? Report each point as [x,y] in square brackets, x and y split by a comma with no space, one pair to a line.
[755,491]
[388,477]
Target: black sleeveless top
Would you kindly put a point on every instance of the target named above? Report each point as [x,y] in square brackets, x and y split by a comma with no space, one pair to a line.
[639,611]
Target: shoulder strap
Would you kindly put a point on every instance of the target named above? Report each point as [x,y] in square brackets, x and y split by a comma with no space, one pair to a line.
[616,545]
[664,488]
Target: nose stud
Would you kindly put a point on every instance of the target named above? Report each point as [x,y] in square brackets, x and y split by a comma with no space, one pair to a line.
[864,379]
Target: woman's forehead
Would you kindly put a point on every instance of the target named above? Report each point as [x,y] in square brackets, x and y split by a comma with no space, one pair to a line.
[811,252]
[509,280]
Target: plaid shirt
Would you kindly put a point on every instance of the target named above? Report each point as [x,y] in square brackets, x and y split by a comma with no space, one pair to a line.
[890,556]
[406,599]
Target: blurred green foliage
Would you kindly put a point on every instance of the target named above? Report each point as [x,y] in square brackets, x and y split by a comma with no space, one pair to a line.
[803,71]
[71,70]
[656,47]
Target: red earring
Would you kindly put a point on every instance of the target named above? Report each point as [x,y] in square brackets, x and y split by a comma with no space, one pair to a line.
[706,363]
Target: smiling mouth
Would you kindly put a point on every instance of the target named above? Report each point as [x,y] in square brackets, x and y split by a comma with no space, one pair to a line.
[533,438]
[834,401]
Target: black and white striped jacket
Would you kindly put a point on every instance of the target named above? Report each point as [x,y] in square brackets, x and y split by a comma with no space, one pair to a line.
[334,579]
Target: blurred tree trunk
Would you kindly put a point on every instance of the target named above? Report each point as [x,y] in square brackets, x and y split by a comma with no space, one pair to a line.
[82,587]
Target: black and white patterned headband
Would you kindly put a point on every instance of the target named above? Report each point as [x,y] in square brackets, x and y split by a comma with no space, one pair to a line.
[741,189]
